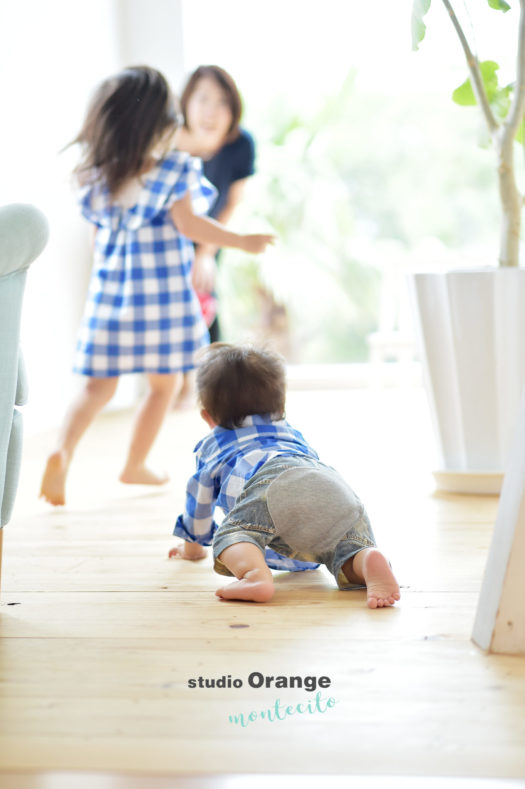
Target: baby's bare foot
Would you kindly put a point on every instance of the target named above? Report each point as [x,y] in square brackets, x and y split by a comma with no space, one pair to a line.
[53,487]
[255,591]
[142,476]
[382,588]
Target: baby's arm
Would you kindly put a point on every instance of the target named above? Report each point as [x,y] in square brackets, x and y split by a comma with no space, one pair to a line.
[196,526]
[203,230]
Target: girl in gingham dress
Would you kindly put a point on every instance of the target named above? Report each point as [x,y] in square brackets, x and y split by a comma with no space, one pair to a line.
[142,315]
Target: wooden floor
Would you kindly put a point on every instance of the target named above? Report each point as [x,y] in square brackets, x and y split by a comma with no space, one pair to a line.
[100,632]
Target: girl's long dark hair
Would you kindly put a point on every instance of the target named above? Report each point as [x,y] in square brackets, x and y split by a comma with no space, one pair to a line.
[128,114]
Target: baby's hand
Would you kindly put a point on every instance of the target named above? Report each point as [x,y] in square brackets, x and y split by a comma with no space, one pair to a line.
[188,550]
[256,242]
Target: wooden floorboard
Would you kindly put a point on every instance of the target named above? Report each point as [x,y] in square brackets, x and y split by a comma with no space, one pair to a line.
[90,780]
[100,633]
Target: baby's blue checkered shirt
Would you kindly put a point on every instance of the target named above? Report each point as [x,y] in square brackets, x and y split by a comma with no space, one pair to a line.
[226,460]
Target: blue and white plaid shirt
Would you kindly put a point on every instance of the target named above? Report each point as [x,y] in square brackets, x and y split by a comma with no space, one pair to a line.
[226,460]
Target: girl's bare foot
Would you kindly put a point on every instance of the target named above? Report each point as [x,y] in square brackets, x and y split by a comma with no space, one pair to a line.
[53,487]
[251,588]
[382,588]
[142,476]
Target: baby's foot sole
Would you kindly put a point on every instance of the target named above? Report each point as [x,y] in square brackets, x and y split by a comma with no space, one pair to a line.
[53,487]
[252,591]
[142,476]
[382,588]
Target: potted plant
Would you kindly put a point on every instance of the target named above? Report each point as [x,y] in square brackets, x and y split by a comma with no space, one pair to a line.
[471,323]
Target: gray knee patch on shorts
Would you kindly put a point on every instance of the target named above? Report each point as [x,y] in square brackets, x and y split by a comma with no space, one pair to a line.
[312,509]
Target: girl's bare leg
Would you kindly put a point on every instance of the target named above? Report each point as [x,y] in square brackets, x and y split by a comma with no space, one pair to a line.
[148,422]
[185,397]
[246,561]
[88,403]
[371,567]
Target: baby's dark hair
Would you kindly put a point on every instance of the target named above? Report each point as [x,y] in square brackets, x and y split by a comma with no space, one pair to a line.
[236,381]
[128,115]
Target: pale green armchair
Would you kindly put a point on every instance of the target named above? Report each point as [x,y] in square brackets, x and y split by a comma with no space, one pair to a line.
[23,236]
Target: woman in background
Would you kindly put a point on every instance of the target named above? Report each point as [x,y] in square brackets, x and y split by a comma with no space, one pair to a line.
[212,107]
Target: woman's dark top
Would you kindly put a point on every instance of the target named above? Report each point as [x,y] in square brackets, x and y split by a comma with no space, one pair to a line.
[234,161]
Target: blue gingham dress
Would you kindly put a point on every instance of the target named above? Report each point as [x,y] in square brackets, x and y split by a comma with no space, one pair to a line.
[142,314]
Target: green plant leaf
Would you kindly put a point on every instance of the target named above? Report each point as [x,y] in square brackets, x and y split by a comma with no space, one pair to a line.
[499,5]
[489,73]
[501,101]
[464,94]
[499,97]
[419,9]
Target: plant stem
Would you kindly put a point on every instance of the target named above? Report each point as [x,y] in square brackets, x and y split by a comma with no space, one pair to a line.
[503,135]
[511,199]
[475,73]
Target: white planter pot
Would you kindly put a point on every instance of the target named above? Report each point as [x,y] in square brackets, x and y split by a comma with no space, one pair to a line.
[470,327]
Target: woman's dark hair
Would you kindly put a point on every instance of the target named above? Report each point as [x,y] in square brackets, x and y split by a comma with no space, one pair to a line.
[234,382]
[226,84]
[128,114]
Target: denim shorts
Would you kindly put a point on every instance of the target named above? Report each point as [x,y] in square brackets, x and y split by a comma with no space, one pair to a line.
[300,508]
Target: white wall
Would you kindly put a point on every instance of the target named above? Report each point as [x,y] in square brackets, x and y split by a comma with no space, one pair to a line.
[53,54]
[150,32]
